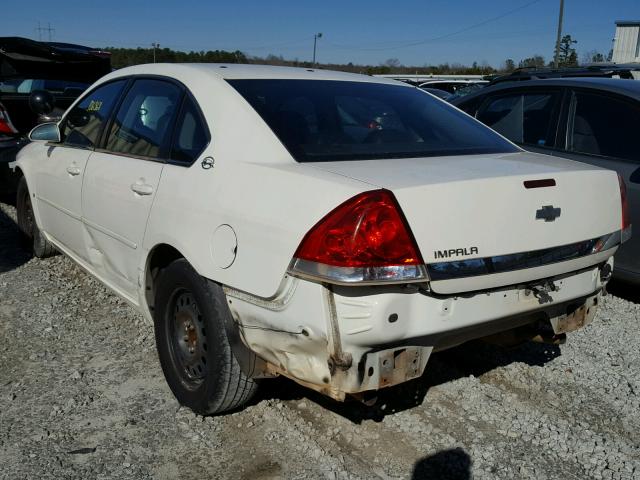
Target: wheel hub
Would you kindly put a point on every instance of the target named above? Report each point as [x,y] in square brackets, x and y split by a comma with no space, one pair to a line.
[189,337]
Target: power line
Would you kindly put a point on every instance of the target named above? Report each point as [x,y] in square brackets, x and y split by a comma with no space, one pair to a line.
[47,29]
[192,47]
[441,37]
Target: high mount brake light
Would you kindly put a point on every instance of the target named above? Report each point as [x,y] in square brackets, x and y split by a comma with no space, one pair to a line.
[626,220]
[366,239]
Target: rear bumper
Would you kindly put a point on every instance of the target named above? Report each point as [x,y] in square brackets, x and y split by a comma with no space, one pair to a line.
[346,340]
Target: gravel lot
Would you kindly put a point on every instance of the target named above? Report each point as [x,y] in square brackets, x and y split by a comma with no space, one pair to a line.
[82,396]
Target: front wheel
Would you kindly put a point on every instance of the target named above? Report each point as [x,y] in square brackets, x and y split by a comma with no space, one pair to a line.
[42,248]
[190,315]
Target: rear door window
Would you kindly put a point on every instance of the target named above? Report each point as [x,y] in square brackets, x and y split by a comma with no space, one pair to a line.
[142,125]
[605,126]
[526,118]
[191,136]
[83,125]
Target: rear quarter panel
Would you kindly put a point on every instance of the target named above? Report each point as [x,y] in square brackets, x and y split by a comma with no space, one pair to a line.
[268,199]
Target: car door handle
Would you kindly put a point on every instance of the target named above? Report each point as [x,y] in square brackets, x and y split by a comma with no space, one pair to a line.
[142,188]
[73,170]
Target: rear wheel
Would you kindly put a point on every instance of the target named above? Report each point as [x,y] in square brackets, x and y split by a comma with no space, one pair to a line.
[190,315]
[41,247]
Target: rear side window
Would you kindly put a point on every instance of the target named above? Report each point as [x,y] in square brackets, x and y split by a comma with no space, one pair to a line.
[325,120]
[83,125]
[191,135]
[605,126]
[528,118]
[142,124]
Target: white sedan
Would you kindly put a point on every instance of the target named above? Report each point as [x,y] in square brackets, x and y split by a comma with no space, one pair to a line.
[333,228]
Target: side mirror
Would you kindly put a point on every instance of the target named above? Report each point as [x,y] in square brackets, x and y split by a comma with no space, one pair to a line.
[47,132]
[41,102]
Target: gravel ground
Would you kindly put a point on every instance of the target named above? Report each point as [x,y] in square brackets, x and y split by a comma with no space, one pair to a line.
[82,396]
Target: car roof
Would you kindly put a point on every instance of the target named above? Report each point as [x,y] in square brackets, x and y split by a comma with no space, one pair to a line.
[630,88]
[22,57]
[232,71]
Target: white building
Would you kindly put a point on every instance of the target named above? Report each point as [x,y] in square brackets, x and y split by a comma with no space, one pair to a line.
[626,44]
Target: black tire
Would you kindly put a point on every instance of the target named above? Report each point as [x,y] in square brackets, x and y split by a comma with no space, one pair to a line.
[40,246]
[190,314]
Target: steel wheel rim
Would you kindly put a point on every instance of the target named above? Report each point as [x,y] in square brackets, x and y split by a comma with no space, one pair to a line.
[187,337]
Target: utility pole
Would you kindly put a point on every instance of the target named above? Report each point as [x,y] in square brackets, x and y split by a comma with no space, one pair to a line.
[315,40]
[556,58]
[155,45]
[47,29]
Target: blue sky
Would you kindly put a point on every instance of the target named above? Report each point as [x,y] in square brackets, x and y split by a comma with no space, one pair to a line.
[353,31]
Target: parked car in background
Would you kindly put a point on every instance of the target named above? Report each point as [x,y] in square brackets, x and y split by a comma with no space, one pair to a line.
[455,87]
[438,93]
[330,227]
[629,71]
[591,120]
[38,82]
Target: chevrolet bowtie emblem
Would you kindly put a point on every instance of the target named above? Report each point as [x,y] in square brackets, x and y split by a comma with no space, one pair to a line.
[548,213]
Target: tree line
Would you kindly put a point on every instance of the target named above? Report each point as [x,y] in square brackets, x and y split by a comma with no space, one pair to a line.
[123,57]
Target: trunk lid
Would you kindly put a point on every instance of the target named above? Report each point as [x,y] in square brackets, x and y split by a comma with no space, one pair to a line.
[468,207]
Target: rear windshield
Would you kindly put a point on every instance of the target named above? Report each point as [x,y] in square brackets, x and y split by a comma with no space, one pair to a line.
[322,120]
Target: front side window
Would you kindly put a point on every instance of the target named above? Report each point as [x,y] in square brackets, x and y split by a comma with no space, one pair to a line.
[323,120]
[604,126]
[142,124]
[528,118]
[83,125]
[191,136]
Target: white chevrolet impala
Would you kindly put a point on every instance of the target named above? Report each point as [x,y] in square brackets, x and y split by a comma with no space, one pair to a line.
[333,228]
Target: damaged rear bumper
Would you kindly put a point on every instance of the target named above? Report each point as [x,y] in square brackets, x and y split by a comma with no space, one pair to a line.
[348,340]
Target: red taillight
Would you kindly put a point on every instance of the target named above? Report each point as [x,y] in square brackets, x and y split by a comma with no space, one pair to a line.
[626,221]
[5,122]
[364,239]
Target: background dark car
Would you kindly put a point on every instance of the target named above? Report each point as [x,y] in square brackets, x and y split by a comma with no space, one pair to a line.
[444,95]
[454,87]
[38,81]
[591,120]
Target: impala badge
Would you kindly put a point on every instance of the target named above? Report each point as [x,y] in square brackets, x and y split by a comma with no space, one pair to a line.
[548,213]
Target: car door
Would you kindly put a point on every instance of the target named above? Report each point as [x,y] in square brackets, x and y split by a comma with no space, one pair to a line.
[526,117]
[601,129]
[122,177]
[61,170]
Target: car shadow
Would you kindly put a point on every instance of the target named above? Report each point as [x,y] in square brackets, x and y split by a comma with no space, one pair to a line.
[473,358]
[626,290]
[12,249]
[452,464]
